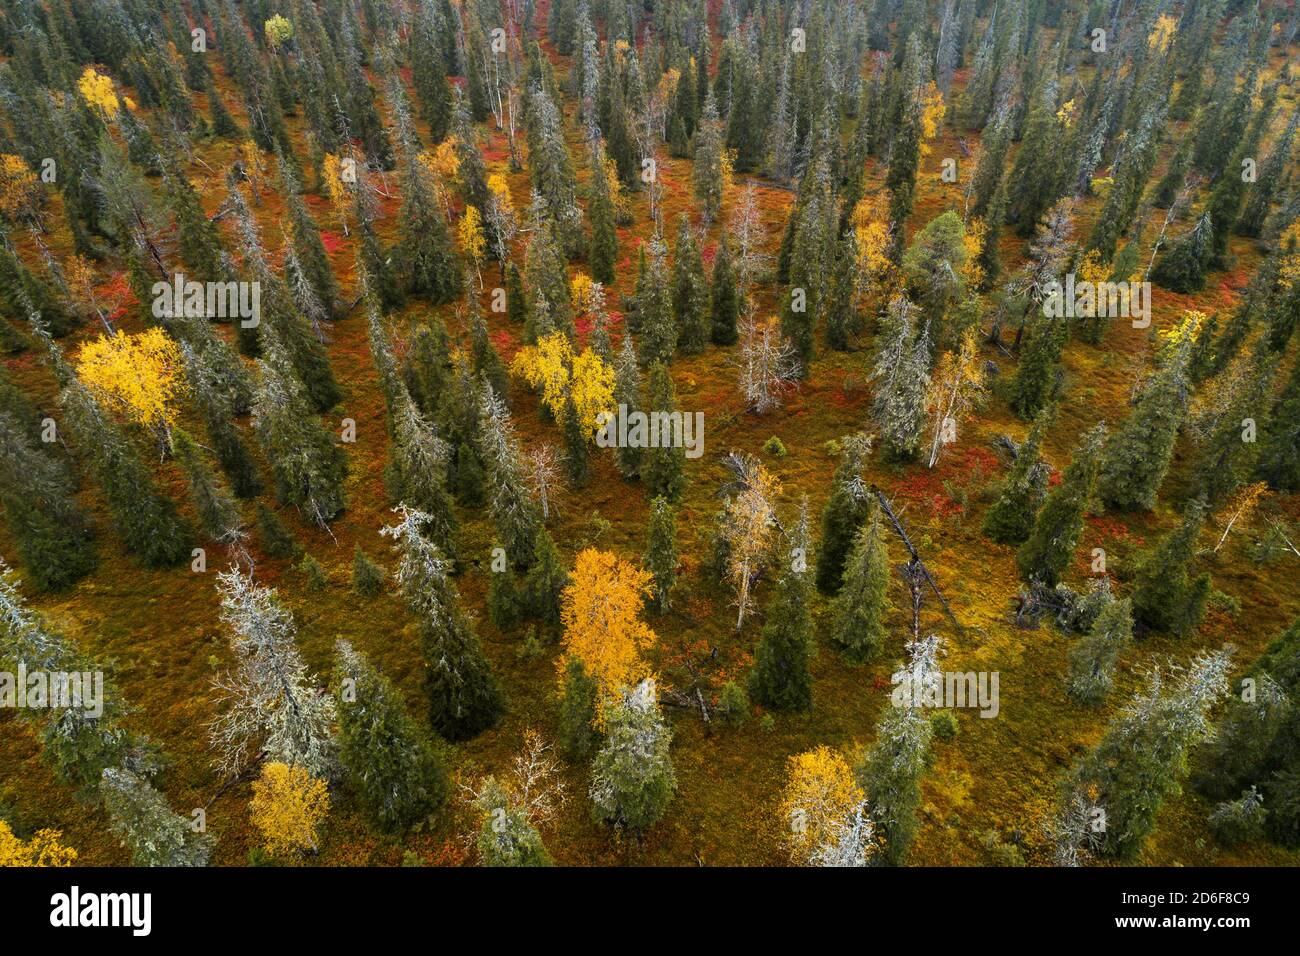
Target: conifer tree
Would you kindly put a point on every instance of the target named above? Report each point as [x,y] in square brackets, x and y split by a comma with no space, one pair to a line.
[577,735]
[426,253]
[1228,449]
[1048,551]
[388,761]
[273,710]
[690,293]
[842,318]
[308,464]
[661,467]
[1036,375]
[514,515]
[654,308]
[863,601]
[632,778]
[661,551]
[846,509]
[1141,759]
[463,694]
[1011,517]
[781,678]
[890,772]
[1093,656]
[309,250]
[1279,453]
[1181,267]
[143,822]
[1137,457]
[902,374]
[724,297]
[1165,595]
[627,392]
[50,531]
[144,517]
[281,318]
[216,510]
[602,246]
[507,836]
[707,172]
[551,169]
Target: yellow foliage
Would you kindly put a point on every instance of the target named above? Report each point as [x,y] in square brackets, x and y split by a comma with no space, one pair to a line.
[819,796]
[138,374]
[499,187]
[470,234]
[19,190]
[1289,268]
[43,849]
[601,613]
[442,160]
[277,29]
[870,221]
[97,90]
[552,365]
[973,240]
[932,109]
[1187,330]
[288,807]
[332,180]
[580,291]
[1065,115]
[1162,33]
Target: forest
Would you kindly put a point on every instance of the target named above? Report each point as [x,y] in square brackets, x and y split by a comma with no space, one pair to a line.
[442,433]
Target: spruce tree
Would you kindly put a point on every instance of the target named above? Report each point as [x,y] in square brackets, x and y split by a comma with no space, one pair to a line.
[426,254]
[890,772]
[1011,517]
[50,531]
[627,392]
[143,822]
[388,761]
[1279,453]
[1137,456]
[602,246]
[707,170]
[1092,658]
[902,374]
[690,293]
[1181,267]
[661,552]
[654,308]
[1141,759]
[1047,553]
[1036,376]
[577,734]
[781,678]
[463,695]
[1165,596]
[632,777]
[308,464]
[661,467]
[862,605]
[216,510]
[724,297]
[507,837]
[145,518]
[846,509]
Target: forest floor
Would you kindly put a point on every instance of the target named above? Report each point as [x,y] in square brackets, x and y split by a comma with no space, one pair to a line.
[160,634]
